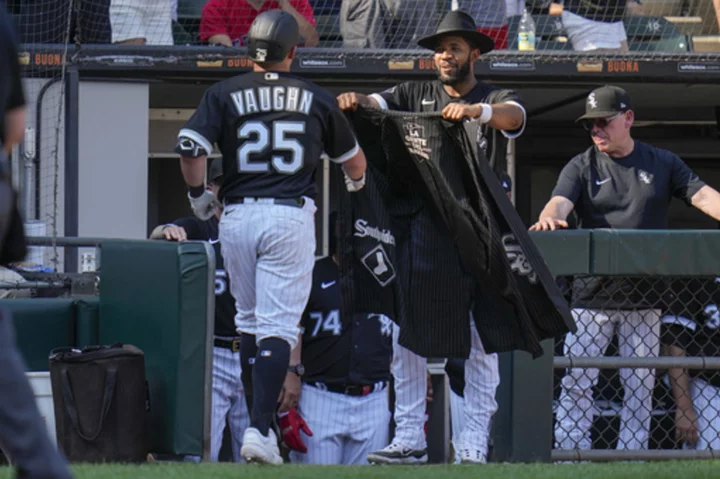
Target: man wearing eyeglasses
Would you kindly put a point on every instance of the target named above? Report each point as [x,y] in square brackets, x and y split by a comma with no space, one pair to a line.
[617,183]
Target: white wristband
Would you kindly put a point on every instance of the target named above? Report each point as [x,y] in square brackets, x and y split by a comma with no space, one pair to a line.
[487,113]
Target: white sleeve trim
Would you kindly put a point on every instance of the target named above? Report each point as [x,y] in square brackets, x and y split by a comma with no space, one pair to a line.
[346,156]
[381,101]
[194,135]
[522,128]
[679,321]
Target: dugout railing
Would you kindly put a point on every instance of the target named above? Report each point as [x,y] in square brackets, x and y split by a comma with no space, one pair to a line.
[135,307]
[670,272]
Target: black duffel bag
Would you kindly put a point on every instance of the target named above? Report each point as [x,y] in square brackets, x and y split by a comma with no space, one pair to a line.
[100,399]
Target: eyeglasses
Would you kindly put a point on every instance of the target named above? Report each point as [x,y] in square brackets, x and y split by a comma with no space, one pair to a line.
[600,122]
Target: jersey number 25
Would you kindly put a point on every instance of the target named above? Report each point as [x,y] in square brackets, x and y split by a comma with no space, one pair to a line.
[277,141]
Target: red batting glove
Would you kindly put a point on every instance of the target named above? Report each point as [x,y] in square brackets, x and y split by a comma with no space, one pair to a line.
[291,424]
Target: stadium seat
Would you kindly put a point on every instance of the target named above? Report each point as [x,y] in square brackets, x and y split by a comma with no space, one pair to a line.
[650,28]
[645,34]
[190,8]
[706,43]
[667,45]
[187,28]
[654,34]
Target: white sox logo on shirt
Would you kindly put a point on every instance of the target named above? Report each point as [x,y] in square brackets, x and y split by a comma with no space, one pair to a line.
[385,324]
[713,316]
[518,261]
[378,263]
[645,177]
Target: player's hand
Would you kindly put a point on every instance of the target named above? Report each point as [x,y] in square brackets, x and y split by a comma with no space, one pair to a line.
[686,429]
[290,394]
[549,224]
[351,100]
[205,205]
[458,111]
[174,233]
[291,424]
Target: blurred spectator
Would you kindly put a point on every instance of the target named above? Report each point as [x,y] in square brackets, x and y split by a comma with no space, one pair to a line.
[514,7]
[226,22]
[46,21]
[386,23]
[490,16]
[141,22]
[692,328]
[594,27]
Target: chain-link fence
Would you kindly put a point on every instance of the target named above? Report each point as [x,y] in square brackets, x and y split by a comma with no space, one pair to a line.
[541,29]
[641,373]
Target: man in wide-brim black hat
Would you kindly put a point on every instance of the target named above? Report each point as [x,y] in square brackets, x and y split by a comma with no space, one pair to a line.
[500,115]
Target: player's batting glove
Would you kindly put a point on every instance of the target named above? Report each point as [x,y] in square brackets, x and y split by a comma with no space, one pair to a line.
[291,423]
[205,205]
[354,185]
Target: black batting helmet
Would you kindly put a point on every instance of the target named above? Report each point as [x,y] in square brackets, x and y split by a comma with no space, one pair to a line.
[271,37]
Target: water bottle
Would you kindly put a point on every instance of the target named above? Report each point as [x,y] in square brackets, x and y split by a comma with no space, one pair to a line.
[526,32]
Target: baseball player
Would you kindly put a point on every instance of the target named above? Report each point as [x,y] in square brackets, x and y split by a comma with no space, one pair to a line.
[691,327]
[500,115]
[228,399]
[455,370]
[346,372]
[272,129]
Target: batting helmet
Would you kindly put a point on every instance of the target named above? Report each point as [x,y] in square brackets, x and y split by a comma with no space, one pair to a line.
[271,37]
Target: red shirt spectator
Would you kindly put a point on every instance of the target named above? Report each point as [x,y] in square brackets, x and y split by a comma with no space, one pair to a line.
[229,20]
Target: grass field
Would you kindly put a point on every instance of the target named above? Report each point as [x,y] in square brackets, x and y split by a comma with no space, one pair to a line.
[649,470]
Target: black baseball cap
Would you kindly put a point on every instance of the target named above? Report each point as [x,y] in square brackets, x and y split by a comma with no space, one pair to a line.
[605,102]
[216,170]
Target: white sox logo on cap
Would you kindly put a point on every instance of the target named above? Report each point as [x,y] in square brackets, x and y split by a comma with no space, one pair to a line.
[592,101]
[260,54]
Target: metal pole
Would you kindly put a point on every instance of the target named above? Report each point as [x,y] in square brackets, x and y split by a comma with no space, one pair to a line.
[325,242]
[511,165]
[38,140]
[615,362]
[30,284]
[72,169]
[65,241]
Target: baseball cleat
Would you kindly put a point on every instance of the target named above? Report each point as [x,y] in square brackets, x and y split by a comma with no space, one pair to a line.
[472,456]
[398,454]
[260,449]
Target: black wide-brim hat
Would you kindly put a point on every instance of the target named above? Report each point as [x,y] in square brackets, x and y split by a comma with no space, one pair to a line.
[459,24]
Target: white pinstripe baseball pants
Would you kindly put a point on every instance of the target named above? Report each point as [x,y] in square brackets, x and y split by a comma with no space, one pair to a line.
[638,336]
[228,403]
[482,378]
[269,253]
[345,428]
